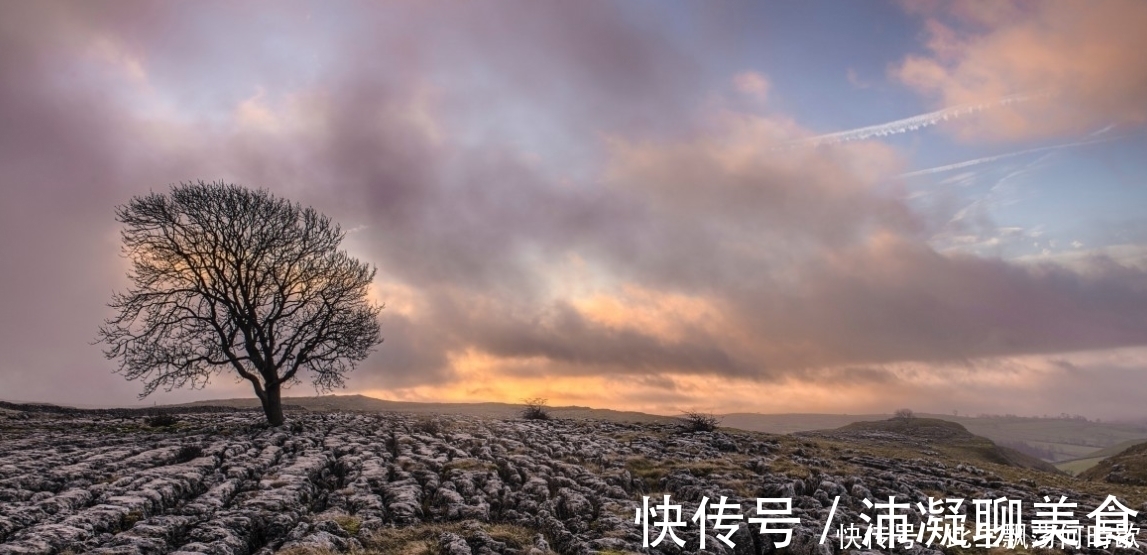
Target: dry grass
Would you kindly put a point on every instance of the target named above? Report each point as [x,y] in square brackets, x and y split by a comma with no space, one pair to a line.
[307,551]
[423,539]
[469,464]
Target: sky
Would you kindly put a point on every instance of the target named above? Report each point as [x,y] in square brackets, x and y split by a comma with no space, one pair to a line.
[655,206]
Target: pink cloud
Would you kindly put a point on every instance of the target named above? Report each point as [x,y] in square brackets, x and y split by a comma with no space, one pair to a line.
[1082,61]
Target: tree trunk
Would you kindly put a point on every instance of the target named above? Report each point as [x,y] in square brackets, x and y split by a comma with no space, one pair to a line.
[273,405]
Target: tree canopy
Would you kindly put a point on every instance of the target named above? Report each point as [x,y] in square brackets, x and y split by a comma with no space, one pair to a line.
[228,277]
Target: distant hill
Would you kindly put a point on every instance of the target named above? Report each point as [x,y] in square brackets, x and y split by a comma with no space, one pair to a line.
[949,438]
[1050,439]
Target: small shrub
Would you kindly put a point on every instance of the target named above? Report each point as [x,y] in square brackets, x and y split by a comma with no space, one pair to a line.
[162,420]
[131,518]
[535,409]
[904,414]
[188,453]
[432,426]
[695,421]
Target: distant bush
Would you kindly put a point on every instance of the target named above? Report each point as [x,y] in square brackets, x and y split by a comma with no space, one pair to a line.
[535,409]
[163,420]
[904,414]
[695,421]
[188,453]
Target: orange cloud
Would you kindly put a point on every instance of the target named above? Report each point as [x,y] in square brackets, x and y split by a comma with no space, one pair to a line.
[666,315]
[1080,61]
[1033,384]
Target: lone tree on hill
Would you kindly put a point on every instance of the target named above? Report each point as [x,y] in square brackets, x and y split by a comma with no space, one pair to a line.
[224,276]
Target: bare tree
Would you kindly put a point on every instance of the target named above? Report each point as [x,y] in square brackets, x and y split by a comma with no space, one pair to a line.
[226,277]
[904,414]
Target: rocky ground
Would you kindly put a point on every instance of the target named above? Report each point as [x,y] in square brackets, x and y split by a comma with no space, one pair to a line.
[221,483]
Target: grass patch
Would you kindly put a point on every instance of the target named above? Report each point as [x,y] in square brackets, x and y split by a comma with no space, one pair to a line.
[651,471]
[350,524]
[469,464]
[1078,466]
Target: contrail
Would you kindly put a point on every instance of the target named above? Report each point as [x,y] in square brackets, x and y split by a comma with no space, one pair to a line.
[907,124]
[987,159]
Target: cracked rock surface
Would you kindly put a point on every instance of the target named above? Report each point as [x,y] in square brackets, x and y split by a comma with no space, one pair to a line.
[220,483]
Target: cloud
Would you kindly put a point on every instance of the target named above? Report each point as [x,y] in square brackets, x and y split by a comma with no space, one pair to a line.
[553,198]
[753,84]
[1086,53]
[358,140]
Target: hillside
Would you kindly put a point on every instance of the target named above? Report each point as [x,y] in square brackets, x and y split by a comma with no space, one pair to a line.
[931,434]
[789,423]
[1126,467]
